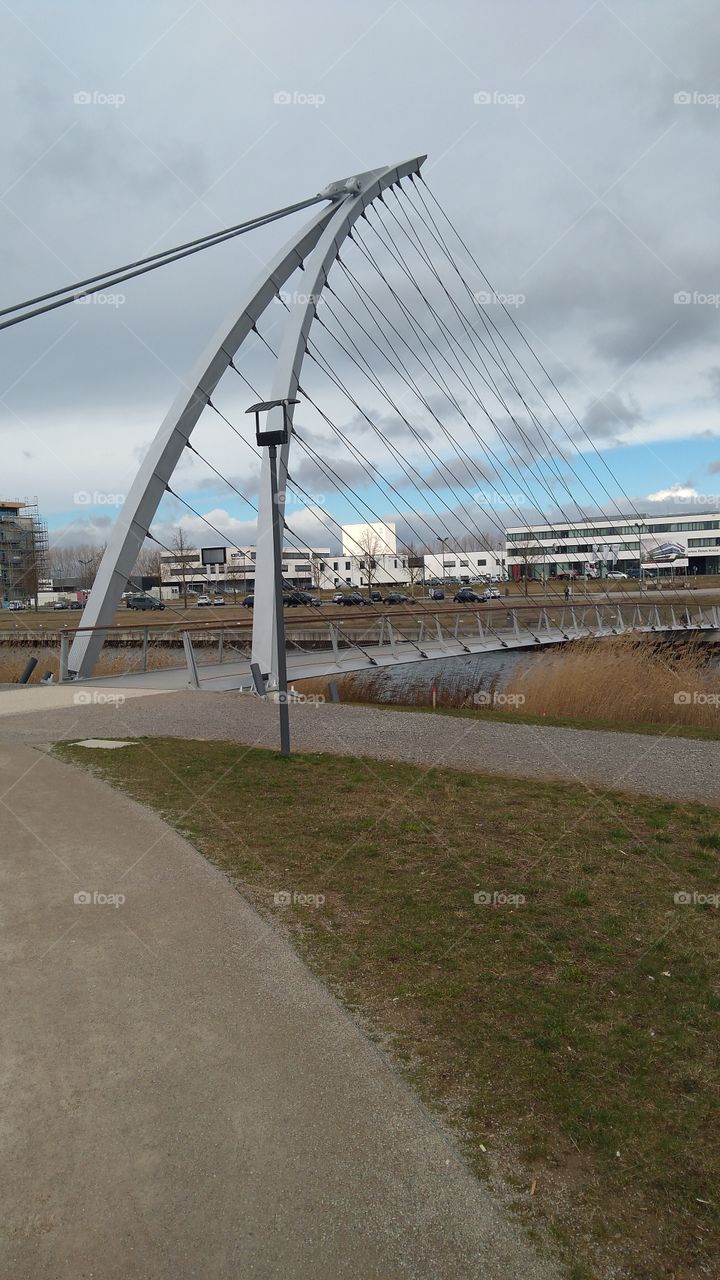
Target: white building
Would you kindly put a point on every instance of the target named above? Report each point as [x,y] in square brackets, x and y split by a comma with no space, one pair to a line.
[597,547]
[319,568]
[377,539]
[463,566]
[179,573]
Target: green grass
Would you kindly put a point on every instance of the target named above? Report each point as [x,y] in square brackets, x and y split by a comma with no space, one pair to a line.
[571,1038]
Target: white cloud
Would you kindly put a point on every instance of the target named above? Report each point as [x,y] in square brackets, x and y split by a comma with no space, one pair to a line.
[678,493]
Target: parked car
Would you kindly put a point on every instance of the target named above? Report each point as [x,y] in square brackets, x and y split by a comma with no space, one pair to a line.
[338,597]
[248,602]
[396,597]
[219,600]
[617,577]
[492,593]
[376,597]
[353,597]
[75,604]
[14,605]
[466,595]
[437,594]
[144,602]
[304,598]
[203,602]
[60,604]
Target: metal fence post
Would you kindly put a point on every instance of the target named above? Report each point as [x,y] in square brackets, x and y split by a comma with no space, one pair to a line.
[64,654]
[190,660]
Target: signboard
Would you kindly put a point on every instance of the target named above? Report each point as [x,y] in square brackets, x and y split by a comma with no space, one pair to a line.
[213,555]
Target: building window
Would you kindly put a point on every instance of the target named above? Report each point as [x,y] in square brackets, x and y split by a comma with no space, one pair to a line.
[348,566]
[335,564]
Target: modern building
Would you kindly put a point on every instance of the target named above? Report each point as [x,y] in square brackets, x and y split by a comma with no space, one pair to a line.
[360,565]
[463,566]
[23,551]
[185,571]
[632,544]
[378,538]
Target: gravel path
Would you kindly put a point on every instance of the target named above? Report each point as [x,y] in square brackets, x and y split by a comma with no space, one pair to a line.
[672,768]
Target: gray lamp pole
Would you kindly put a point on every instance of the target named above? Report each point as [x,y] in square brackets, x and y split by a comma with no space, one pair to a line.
[271,439]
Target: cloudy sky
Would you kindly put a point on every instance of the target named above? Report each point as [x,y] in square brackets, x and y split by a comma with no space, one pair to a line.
[573,145]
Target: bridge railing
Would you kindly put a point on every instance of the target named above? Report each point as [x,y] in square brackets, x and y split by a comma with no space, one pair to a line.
[398,631]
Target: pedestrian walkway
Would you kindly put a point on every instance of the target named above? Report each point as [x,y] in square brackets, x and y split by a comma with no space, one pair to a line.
[181,1098]
[657,765]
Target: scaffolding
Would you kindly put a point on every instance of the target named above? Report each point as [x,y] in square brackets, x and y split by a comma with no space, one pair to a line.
[24,550]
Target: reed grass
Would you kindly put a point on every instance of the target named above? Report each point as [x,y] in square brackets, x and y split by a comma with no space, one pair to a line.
[625,679]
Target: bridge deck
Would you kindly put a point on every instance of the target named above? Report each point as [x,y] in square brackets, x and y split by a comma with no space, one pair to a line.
[234,673]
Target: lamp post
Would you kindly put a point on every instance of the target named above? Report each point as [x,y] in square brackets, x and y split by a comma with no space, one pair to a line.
[443,544]
[640,568]
[271,440]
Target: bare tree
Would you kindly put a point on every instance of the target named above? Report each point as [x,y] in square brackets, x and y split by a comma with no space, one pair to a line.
[147,564]
[88,559]
[415,564]
[370,546]
[62,558]
[528,555]
[182,549]
[317,569]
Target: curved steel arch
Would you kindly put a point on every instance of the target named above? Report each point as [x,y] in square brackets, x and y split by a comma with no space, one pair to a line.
[321,238]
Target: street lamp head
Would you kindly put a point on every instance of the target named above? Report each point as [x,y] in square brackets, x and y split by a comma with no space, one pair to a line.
[271,437]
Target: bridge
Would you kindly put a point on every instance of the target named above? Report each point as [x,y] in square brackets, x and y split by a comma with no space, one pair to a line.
[218,656]
[453,393]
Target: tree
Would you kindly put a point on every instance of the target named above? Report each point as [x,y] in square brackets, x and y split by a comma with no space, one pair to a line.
[317,569]
[528,555]
[415,563]
[88,560]
[148,561]
[370,546]
[184,552]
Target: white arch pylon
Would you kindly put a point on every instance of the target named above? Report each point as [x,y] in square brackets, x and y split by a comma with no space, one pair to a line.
[315,246]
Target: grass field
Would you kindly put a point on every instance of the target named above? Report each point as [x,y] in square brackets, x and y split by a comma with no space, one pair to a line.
[565,1024]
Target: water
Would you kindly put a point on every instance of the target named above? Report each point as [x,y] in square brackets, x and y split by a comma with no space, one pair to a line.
[454,678]
[457,679]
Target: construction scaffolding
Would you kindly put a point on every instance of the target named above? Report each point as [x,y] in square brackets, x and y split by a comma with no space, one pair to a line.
[24,551]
